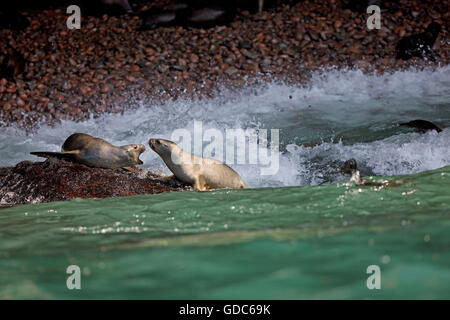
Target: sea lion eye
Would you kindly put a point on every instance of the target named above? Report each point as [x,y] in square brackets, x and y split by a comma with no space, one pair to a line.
[135,147]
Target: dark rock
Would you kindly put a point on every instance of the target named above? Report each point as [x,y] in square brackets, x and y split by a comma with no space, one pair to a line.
[56,180]
[418,45]
[11,19]
[360,5]
[211,16]
[421,126]
[155,18]
[198,14]
[179,68]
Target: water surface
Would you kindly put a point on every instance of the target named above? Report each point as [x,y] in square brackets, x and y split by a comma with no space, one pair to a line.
[302,233]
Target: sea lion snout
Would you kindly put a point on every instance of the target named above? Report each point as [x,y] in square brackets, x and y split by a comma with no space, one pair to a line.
[350,166]
[96,152]
[160,145]
[152,144]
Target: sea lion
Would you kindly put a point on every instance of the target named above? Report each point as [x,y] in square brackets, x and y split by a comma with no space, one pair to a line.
[421,126]
[96,152]
[351,167]
[202,173]
[420,44]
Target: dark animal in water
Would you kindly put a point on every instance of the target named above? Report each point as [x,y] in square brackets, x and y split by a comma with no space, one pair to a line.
[420,44]
[349,166]
[421,126]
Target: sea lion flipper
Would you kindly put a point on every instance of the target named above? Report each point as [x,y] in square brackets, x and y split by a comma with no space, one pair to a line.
[199,184]
[59,155]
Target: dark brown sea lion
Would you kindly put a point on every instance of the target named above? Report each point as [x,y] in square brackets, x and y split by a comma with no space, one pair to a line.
[351,167]
[96,152]
[421,126]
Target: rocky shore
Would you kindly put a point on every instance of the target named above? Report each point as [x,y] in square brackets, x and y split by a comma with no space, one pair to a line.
[110,64]
[57,180]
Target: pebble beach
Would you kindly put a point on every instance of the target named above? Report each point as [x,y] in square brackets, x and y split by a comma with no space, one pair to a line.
[111,65]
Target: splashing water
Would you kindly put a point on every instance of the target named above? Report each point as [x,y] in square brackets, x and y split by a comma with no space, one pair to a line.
[283,243]
[337,116]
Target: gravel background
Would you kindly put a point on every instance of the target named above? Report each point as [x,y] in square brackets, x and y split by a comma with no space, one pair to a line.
[111,65]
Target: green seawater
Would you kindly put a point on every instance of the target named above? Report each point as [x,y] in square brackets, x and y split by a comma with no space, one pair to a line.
[311,242]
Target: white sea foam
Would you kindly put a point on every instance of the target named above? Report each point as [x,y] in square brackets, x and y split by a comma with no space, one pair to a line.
[345,114]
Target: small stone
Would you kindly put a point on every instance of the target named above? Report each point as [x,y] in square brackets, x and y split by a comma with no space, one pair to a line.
[230,71]
[245,44]
[194,58]
[163,68]
[179,68]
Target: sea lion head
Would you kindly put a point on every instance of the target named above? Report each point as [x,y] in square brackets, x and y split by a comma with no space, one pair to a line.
[349,166]
[162,147]
[135,150]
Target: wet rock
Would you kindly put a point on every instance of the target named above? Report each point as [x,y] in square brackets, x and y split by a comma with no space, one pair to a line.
[418,45]
[56,180]
[230,71]
[179,68]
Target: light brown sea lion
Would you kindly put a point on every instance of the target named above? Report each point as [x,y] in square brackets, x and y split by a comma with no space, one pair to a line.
[96,152]
[202,173]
